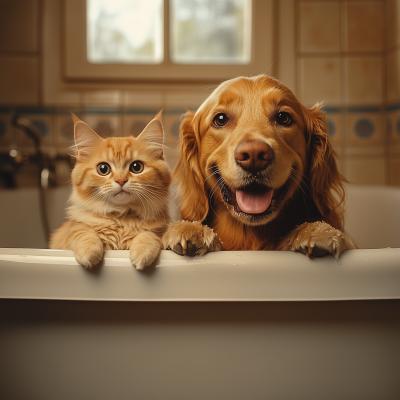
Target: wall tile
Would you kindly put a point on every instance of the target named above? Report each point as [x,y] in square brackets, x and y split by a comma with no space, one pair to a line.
[364,81]
[394,171]
[105,123]
[19,80]
[134,123]
[392,23]
[319,26]
[7,131]
[340,161]
[102,98]
[19,25]
[319,80]
[365,128]
[171,126]
[184,99]
[285,42]
[393,76]
[390,124]
[363,30]
[64,128]
[352,151]
[44,123]
[143,99]
[335,125]
[172,123]
[393,127]
[394,150]
[366,171]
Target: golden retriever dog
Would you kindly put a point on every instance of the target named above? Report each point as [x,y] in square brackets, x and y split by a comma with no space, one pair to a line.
[257,171]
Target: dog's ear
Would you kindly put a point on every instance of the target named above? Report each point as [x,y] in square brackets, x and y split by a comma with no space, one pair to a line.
[187,174]
[325,179]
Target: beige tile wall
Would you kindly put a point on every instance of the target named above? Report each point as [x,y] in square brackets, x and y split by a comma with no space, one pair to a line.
[348,55]
[343,52]
[19,52]
[392,50]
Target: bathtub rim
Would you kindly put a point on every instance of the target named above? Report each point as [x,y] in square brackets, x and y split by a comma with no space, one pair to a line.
[222,276]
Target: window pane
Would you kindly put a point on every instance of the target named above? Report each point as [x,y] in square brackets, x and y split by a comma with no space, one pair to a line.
[210,31]
[125,31]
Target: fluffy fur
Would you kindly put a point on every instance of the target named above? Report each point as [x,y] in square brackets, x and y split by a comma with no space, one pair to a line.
[122,209]
[305,213]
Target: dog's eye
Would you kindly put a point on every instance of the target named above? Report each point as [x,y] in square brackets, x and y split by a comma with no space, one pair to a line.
[220,119]
[103,169]
[284,118]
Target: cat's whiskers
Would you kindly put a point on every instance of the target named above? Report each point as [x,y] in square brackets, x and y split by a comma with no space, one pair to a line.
[153,192]
[155,200]
[153,186]
[97,196]
[152,198]
[143,203]
[157,190]
[146,199]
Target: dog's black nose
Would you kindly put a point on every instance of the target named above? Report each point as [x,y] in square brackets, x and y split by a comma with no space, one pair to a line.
[253,155]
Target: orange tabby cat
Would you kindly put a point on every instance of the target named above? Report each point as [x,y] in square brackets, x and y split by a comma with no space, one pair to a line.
[120,196]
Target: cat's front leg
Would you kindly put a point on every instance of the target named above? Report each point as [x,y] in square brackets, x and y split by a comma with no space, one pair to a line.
[144,249]
[88,249]
[317,239]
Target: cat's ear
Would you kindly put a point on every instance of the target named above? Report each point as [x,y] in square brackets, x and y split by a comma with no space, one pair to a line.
[154,131]
[86,139]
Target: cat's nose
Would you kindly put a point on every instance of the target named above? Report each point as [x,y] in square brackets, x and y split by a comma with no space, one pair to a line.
[121,181]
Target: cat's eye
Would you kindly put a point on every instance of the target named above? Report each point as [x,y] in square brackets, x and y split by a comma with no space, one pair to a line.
[220,120]
[103,169]
[284,118]
[136,167]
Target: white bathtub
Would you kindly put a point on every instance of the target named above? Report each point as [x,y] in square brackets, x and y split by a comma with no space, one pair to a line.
[235,325]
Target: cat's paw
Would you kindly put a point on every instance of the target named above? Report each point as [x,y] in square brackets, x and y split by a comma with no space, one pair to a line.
[191,238]
[317,239]
[88,251]
[144,249]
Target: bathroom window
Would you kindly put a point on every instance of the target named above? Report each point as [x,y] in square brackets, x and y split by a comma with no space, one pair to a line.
[167,39]
[210,31]
[124,31]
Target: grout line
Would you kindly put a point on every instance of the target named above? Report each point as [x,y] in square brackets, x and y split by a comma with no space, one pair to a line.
[296,48]
[343,91]
[40,51]
[385,101]
[20,53]
[326,54]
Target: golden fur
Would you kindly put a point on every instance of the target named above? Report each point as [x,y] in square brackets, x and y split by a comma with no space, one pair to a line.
[301,174]
[123,209]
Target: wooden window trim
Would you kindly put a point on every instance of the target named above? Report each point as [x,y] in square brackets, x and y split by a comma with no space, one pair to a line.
[77,67]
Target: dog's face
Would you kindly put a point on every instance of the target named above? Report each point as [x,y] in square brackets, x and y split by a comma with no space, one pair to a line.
[250,143]
[253,147]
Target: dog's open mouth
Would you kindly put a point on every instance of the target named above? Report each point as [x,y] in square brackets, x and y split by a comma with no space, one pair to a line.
[253,200]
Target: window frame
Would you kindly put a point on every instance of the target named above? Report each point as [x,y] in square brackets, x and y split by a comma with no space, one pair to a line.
[78,68]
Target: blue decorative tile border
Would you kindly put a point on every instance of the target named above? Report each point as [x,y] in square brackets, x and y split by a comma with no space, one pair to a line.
[56,128]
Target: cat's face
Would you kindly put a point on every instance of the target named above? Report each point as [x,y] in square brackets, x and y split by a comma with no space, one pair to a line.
[119,173]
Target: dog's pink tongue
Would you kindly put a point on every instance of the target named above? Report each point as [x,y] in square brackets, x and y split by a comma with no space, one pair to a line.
[252,202]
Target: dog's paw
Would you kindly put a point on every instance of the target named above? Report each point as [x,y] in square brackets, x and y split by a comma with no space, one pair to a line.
[144,249]
[191,238]
[317,239]
[88,251]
